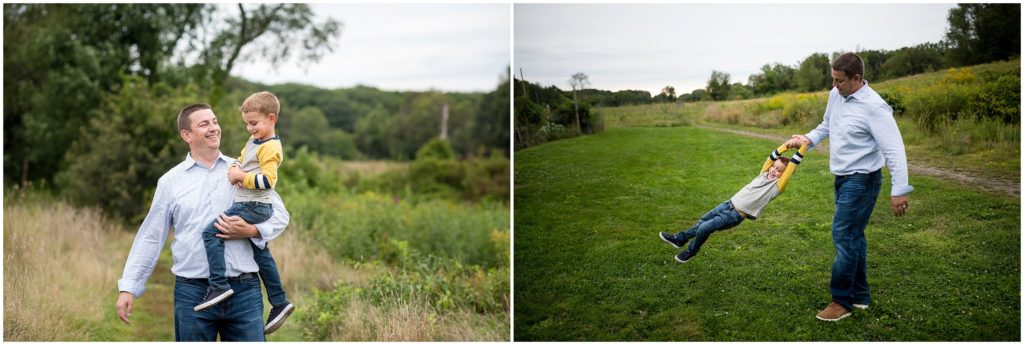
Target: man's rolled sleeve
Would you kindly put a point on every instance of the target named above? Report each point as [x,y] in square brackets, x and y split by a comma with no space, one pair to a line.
[890,142]
[147,245]
[273,227]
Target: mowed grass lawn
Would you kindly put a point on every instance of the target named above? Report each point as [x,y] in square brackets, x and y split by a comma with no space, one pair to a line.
[589,266]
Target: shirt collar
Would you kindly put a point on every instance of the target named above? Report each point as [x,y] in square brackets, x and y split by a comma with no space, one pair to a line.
[859,95]
[190,162]
[258,142]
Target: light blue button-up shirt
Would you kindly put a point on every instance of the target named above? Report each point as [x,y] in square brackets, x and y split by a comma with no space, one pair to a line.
[864,137]
[188,198]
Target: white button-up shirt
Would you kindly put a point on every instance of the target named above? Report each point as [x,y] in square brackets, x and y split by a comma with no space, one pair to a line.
[188,198]
[864,137]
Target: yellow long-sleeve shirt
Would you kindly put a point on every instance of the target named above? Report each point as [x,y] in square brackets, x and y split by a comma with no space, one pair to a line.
[259,160]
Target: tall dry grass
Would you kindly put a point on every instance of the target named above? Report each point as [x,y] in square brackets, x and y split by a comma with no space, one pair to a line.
[364,321]
[59,272]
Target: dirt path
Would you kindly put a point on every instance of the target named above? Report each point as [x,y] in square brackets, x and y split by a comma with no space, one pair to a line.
[1010,187]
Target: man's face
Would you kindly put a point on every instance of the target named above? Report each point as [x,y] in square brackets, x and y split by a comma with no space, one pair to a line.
[205,132]
[259,125]
[846,85]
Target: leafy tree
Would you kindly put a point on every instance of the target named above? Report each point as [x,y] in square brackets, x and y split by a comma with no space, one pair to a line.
[773,78]
[718,86]
[740,91]
[981,33]
[814,73]
[873,61]
[913,60]
[669,93]
[491,123]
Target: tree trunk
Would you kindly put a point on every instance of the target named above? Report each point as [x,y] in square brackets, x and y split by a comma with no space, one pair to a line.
[576,106]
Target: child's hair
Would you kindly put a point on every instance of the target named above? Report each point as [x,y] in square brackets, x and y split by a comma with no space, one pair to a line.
[784,159]
[184,121]
[262,102]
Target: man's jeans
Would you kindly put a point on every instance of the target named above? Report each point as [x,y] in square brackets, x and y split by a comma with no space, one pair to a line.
[723,217]
[239,318]
[855,199]
[253,213]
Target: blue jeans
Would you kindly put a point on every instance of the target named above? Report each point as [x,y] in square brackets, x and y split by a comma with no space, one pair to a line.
[237,319]
[723,217]
[855,199]
[253,213]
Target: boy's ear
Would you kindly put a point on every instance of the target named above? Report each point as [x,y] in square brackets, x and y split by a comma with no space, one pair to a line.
[273,117]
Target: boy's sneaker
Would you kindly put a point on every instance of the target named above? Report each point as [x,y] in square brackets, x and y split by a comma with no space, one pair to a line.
[277,317]
[671,239]
[684,256]
[214,296]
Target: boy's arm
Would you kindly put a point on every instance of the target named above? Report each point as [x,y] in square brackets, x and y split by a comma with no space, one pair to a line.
[791,168]
[269,155]
[772,157]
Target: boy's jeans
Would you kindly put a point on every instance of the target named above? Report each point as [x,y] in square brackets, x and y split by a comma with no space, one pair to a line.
[253,213]
[855,199]
[723,217]
[238,319]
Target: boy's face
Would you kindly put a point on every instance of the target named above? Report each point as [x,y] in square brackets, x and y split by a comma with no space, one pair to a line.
[260,125]
[776,170]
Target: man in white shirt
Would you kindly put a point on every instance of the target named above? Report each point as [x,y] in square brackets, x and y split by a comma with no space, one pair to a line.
[188,198]
[864,137]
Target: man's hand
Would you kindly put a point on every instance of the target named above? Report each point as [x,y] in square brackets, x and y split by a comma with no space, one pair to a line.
[236,175]
[899,205]
[125,300]
[234,228]
[797,141]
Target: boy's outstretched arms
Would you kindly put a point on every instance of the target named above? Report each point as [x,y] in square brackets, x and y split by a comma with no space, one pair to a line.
[774,156]
[791,168]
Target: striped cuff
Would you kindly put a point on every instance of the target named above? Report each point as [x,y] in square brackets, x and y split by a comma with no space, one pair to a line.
[797,158]
[775,155]
[261,182]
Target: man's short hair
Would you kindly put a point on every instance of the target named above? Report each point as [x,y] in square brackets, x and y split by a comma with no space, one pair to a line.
[184,122]
[262,102]
[849,63]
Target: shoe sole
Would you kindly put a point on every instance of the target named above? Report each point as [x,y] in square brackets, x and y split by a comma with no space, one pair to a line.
[214,301]
[277,322]
[833,320]
[860,306]
[682,261]
[667,241]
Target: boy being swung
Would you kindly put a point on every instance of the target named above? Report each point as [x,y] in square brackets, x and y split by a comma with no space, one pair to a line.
[255,173]
[747,203]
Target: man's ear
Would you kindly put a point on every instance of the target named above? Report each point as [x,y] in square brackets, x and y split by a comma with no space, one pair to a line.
[186,136]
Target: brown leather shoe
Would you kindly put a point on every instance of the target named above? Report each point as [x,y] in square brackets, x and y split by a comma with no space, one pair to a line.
[834,312]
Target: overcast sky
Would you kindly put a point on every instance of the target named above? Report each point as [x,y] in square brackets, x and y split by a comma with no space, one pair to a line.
[647,47]
[400,47]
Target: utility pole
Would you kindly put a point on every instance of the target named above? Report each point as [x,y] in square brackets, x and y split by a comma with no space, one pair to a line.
[444,122]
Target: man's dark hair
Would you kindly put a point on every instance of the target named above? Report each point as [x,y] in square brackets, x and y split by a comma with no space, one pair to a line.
[184,122]
[849,63]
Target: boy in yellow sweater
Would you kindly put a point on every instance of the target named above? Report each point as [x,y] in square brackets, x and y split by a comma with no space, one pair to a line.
[255,173]
[747,203]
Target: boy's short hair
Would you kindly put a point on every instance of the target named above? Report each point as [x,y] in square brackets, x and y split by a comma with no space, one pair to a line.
[262,102]
[784,159]
[849,63]
[184,122]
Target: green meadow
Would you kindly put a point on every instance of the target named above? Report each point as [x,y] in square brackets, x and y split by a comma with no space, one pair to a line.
[589,265]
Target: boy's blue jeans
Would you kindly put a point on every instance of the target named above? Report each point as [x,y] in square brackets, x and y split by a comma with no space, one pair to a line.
[253,213]
[723,217]
[855,199]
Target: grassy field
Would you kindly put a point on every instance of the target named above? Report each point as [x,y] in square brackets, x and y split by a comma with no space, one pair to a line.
[590,267]
[977,142]
[359,267]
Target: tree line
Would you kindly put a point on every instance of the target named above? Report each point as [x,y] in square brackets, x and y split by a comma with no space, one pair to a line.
[92,91]
[977,33]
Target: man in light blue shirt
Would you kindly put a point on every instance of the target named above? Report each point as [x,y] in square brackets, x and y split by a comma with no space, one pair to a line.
[864,137]
[187,198]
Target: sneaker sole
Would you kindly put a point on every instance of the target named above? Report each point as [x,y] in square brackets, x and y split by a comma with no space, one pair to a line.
[682,261]
[860,306]
[667,241]
[214,301]
[277,322]
[833,320]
